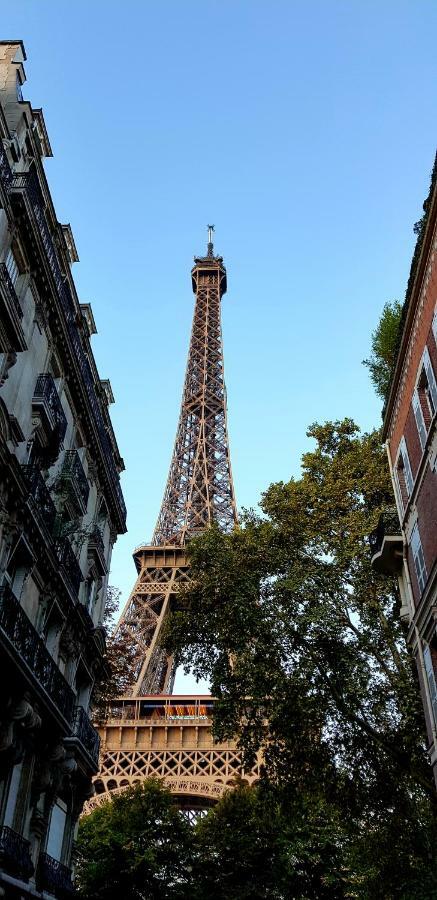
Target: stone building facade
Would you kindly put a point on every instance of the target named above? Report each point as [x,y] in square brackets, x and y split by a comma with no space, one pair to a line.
[61,508]
[410,432]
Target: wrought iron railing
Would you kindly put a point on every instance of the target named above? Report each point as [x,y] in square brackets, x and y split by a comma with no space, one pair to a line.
[15,853]
[69,562]
[388,524]
[86,734]
[26,641]
[46,393]
[28,183]
[73,475]
[39,491]
[7,286]
[54,877]
[5,169]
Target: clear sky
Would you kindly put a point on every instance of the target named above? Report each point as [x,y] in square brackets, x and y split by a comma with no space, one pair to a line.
[305,130]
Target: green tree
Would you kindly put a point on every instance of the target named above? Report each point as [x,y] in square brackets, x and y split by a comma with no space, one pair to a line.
[136,847]
[117,674]
[287,611]
[253,845]
[385,342]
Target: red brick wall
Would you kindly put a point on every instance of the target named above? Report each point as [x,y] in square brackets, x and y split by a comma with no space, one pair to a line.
[427,517]
[411,364]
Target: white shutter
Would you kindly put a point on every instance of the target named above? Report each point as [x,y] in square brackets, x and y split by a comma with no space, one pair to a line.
[419,558]
[409,480]
[429,371]
[434,326]
[430,677]
[420,421]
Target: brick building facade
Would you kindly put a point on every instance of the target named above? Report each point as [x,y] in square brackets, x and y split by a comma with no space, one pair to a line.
[410,432]
[61,508]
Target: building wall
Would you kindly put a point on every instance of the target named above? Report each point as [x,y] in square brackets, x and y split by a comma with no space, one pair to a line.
[61,509]
[411,432]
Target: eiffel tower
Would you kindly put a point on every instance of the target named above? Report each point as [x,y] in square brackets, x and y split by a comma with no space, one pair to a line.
[152,732]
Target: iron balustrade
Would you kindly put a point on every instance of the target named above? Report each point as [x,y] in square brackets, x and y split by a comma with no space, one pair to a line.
[54,877]
[28,183]
[388,524]
[73,475]
[5,169]
[7,286]
[15,853]
[86,734]
[40,493]
[26,641]
[68,561]
[46,395]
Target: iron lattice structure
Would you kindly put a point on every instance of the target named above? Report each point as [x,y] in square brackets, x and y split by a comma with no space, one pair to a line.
[148,732]
[199,488]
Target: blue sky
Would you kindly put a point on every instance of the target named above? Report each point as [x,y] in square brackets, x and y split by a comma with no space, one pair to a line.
[305,132]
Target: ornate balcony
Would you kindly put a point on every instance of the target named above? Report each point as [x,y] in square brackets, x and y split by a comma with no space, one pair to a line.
[54,877]
[39,492]
[11,333]
[50,417]
[69,563]
[15,854]
[26,190]
[96,550]
[386,544]
[85,737]
[74,482]
[20,637]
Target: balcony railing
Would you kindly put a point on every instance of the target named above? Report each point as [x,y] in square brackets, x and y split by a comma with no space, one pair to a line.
[386,544]
[54,877]
[73,477]
[46,400]
[69,563]
[28,184]
[5,169]
[39,491]
[86,734]
[388,524]
[8,288]
[15,853]
[31,649]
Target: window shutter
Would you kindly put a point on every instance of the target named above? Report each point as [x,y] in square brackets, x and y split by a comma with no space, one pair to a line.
[430,677]
[419,558]
[420,421]
[409,480]
[429,371]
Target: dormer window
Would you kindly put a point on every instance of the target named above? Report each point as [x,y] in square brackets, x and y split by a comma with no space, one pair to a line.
[18,86]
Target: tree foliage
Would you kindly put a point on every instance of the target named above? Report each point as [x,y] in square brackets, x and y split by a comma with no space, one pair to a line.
[117,676]
[305,651]
[385,341]
[136,846]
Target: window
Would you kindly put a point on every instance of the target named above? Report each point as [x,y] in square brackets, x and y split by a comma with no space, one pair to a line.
[404,476]
[55,838]
[430,677]
[425,398]
[12,267]
[419,558]
[434,326]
